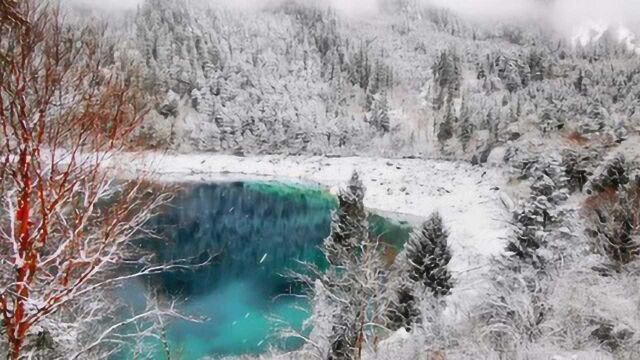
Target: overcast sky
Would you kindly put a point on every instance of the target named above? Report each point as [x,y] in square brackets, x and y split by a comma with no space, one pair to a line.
[564,14]
[108,4]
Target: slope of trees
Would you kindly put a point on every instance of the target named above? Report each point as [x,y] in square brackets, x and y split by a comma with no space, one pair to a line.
[298,78]
[242,89]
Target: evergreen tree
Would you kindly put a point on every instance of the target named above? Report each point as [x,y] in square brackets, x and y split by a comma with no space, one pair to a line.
[356,276]
[614,219]
[511,76]
[403,311]
[427,255]
[349,222]
[525,245]
[537,66]
[445,128]
[422,265]
[380,119]
[532,221]
[447,73]
[361,68]
[467,127]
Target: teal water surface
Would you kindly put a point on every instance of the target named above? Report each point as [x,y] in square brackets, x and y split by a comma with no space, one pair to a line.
[255,232]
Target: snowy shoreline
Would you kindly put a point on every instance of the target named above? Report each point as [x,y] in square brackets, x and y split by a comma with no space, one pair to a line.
[467,197]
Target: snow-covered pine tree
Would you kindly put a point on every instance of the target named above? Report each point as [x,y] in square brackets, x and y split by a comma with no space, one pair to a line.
[380,117]
[426,256]
[537,65]
[355,278]
[466,126]
[422,265]
[360,68]
[447,74]
[525,245]
[349,222]
[403,310]
[532,220]
[511,75]
[613,211]
[445,128]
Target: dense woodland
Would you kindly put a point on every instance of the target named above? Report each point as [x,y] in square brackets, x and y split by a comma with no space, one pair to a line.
[559,116]
[303,79]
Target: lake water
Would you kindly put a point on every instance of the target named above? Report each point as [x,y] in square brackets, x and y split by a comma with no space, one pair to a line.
[255,232]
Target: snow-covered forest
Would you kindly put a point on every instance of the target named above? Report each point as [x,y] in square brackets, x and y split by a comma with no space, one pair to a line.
[412,79]
[510,135]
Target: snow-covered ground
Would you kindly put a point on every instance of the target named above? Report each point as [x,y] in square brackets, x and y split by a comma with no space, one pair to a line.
[468,197]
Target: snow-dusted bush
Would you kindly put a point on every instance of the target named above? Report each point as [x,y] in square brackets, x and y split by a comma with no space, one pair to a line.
[613,175]
[579,167]
[614,220]
[511,317]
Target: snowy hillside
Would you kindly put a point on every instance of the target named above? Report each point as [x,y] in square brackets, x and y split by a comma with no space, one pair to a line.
[293,78]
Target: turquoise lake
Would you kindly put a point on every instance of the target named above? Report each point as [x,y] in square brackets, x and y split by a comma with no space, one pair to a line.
[255,232]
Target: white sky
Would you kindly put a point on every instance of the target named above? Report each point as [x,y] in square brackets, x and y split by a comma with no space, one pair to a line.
[565,15]
[108,4]
[350,6]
